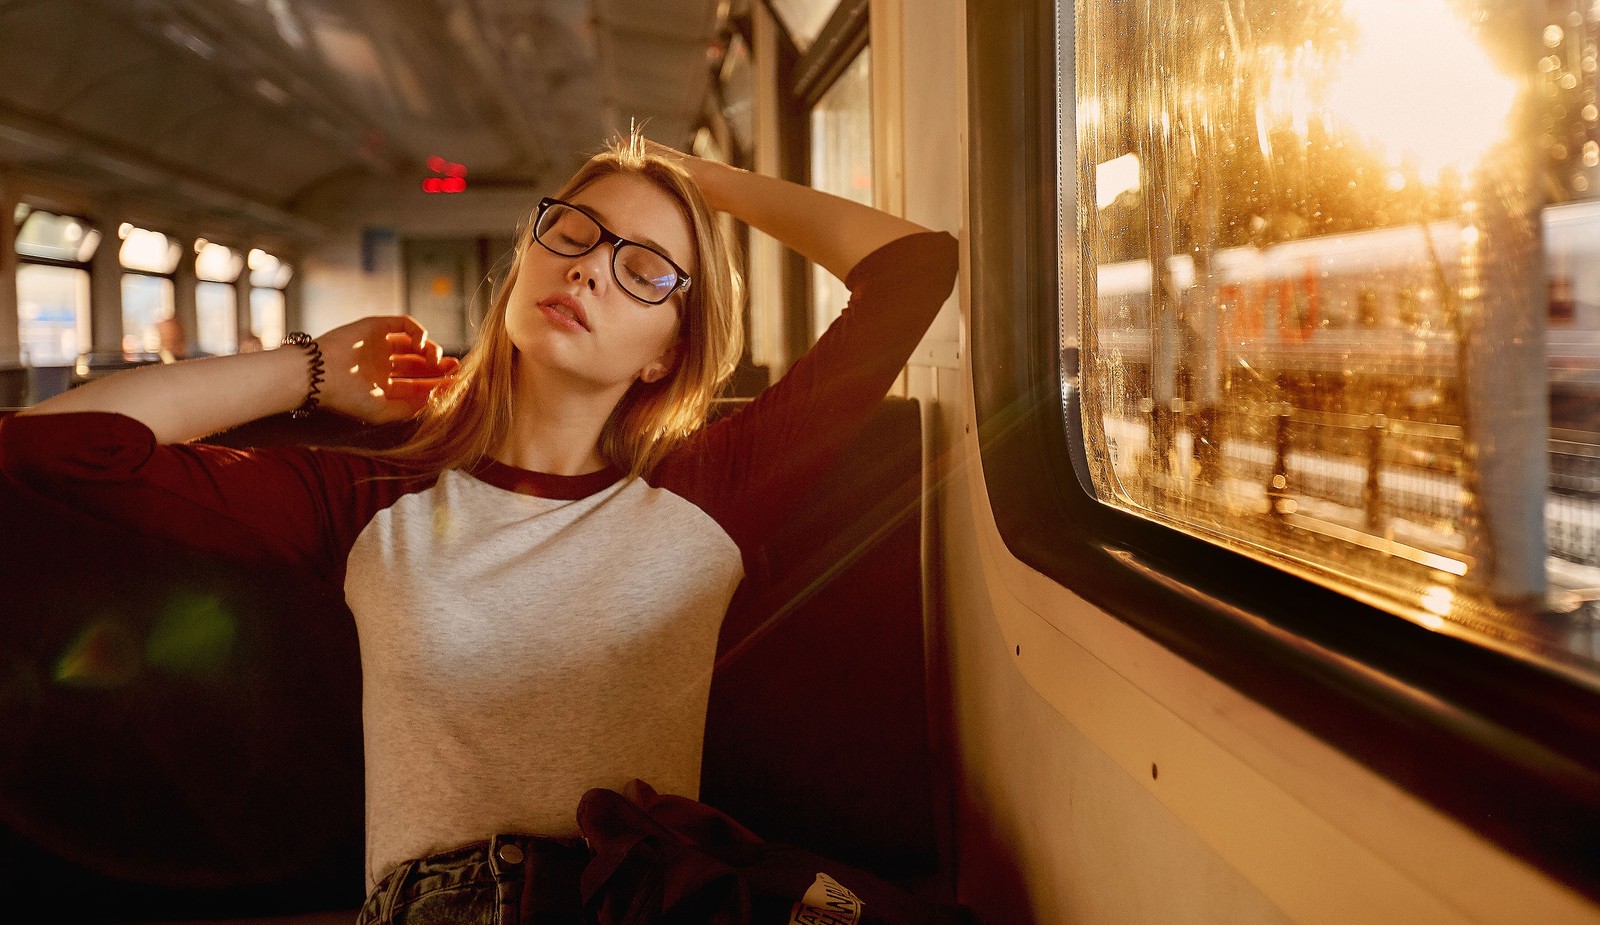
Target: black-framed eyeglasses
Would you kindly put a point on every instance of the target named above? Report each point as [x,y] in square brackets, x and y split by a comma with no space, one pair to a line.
[642,271]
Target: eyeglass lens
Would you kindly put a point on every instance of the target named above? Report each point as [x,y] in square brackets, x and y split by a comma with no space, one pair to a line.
[641,272]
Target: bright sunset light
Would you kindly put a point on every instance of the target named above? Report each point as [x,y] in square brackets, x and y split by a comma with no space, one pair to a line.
[1420,87]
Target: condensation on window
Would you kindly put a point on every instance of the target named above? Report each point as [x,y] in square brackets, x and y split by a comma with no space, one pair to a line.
[1338,293]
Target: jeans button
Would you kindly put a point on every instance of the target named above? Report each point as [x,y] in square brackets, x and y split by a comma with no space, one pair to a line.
[510,853]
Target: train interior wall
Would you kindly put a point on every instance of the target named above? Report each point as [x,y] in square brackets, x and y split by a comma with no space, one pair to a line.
[1099,777]
[1050,828]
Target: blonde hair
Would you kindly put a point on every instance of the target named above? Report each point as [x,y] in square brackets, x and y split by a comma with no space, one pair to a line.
[464,422]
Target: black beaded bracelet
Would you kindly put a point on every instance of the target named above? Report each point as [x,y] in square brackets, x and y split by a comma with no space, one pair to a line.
[302,339]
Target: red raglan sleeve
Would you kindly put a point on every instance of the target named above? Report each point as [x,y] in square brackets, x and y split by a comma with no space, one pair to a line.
[280,505]
[748,470]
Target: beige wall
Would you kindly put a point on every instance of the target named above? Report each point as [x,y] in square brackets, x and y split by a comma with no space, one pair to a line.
[337,287]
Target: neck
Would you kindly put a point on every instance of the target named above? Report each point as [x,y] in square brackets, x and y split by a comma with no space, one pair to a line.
[555,426]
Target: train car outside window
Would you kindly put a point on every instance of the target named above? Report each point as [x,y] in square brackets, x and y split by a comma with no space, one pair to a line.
[216,296]
[53,253]
[841,163]
[269,276]
[1338,298]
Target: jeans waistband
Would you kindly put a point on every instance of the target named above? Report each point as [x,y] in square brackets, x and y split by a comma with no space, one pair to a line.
[550,868]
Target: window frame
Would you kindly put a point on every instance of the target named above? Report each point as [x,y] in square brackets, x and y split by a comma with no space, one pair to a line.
[819,66]
[1520,742]
[801,79]
[86,266]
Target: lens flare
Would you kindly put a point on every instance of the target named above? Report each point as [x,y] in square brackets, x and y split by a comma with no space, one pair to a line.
[193,636]
[104,655]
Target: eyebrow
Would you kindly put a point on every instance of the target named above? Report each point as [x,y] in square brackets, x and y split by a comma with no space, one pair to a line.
[600,217]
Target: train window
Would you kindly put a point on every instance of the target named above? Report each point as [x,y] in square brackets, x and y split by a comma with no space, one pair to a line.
[216,263]
[53,252]
[147,301]
[841,163]
[268,309]
[150,257]
[216,297]
[149,251]
[52,313]
[267,271]
[268,315]
[804,18]
[1339,295]
[216,307]
[49,236]
[736,80]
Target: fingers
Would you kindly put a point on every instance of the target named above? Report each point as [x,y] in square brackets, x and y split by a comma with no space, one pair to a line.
[400,324]
[412,366]
[405,343]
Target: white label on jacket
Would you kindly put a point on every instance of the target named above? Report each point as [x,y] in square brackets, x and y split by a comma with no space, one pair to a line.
[826,903]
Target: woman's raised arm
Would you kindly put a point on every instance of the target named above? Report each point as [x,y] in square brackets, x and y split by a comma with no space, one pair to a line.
[377,369]
[826,229]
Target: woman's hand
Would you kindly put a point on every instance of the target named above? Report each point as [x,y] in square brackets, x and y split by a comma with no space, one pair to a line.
[382,368]
[706,174]
[825,229]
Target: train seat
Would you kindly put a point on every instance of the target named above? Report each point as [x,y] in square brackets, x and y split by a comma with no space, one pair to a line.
[154,789]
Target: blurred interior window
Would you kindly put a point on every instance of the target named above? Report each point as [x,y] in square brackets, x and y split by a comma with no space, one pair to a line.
[53,313]
[49,236]
[268,271]
[216,297]
[841,163]
[705,146]
[804,19]
[216,310]
[268,309]
[150,251]
[1339,296]
[147,301]
[268,316]
[738,94]
[217,263]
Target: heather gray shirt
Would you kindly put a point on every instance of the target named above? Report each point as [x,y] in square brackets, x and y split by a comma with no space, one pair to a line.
[517,651]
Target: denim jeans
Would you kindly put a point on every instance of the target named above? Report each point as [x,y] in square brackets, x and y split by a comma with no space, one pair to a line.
[507,880]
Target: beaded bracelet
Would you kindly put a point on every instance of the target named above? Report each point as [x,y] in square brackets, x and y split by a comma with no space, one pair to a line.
[302,339]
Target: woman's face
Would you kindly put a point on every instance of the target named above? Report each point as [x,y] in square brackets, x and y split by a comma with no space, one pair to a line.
[568,315]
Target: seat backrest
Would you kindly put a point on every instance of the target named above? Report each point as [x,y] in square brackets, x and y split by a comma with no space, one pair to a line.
[817,732]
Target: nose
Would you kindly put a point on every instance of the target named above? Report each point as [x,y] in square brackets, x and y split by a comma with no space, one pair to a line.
[589,269]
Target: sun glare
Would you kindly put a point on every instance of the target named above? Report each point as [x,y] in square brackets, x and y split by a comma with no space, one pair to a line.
[1420,87]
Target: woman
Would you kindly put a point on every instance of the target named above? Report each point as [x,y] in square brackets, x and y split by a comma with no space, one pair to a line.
[539,573]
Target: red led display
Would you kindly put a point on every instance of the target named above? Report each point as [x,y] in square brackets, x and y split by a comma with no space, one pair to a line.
[450,176]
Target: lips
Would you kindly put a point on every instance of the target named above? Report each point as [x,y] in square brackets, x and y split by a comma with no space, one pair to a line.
[564,309]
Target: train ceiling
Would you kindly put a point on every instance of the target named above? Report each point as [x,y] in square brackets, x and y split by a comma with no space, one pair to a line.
[303,113]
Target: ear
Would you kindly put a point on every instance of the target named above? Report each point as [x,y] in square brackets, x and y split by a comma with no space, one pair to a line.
[658,368]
